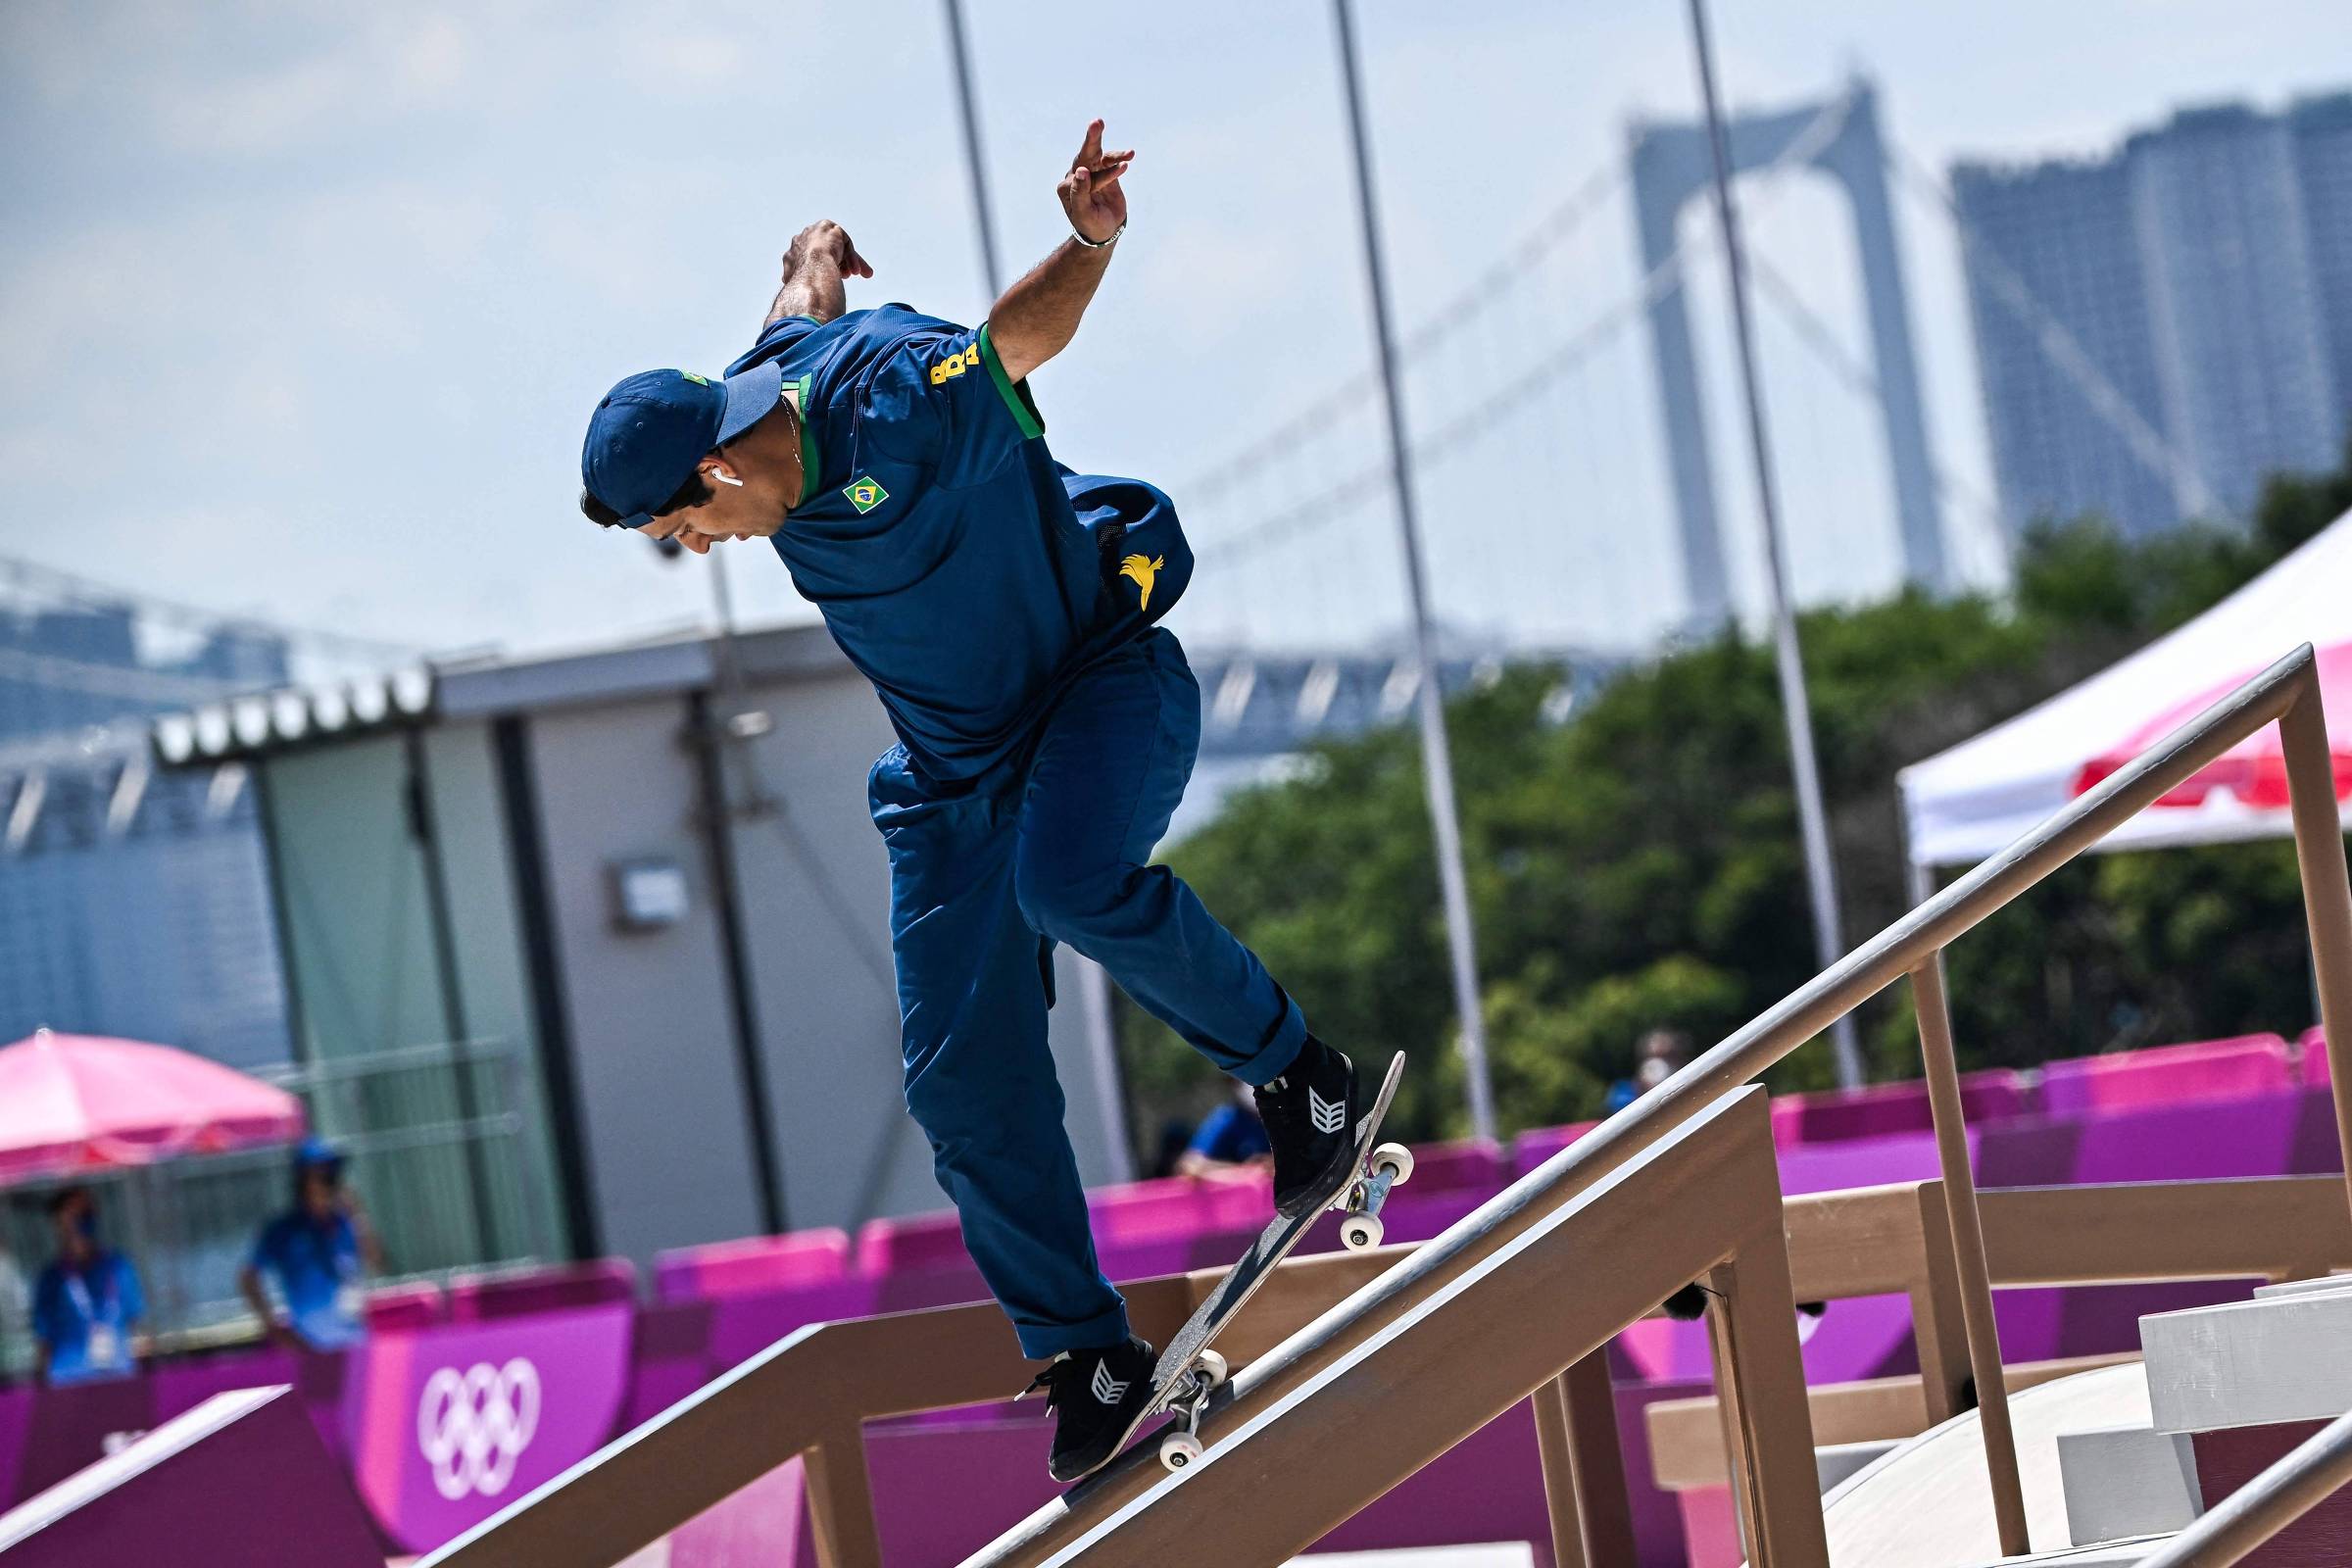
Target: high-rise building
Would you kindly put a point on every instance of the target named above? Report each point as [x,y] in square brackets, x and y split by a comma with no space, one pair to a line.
[2161,330]
[132,901]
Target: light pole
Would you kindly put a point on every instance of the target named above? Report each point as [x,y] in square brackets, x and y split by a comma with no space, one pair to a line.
[1094,985]
[1821,876]
[1437,758]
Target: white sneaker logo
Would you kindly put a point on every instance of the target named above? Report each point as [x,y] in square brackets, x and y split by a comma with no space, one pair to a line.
[1327,1117]
[1107,1388]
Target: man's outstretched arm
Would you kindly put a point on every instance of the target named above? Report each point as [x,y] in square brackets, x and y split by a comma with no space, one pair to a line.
[1035,318]
[819,257]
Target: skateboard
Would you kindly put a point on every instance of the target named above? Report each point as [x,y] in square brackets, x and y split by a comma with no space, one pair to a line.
[1189,1372]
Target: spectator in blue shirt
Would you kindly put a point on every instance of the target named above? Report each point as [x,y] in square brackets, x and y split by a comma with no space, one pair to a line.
[1229,1138]
[86,1301]
[317,1255]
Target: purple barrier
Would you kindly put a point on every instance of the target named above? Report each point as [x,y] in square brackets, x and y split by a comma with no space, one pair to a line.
[2029,1152]
[48,1433]
[914,1241]
[1154,1210]
[2316,1152]
[455,1422]
[669,1357]
[2250,1136]
[1879,1109]
[754,1263]
[2210,1069]
[943,1488]
[1465,1162]
[479,1298]
[742,1326]
[1537,1144]
[406,1306]
[203,1490]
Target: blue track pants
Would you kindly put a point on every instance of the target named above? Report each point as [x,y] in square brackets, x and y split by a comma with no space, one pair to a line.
[986,874]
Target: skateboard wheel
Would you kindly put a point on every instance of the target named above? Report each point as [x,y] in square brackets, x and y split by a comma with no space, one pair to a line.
[1213,1370]
[1179,1450]
[1397,1157]
[1358,1232]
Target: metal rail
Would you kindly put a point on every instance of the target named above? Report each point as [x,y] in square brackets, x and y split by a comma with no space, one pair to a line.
[2288,687]
[2313,1471]
[1524,1313]
[808,1393]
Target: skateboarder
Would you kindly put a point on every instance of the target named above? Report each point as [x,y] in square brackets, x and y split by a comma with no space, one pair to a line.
[1005,608]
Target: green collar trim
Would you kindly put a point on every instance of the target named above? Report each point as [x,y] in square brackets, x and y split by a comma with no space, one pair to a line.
[810,483]
[1015,393]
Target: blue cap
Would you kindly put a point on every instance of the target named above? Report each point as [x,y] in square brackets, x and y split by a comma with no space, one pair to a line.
[317,1154]
[651,430]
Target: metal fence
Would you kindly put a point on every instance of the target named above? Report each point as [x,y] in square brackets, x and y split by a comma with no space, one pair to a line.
[443,1150]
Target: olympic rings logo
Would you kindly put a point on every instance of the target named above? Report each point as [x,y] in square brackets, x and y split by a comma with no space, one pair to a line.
[473,1426]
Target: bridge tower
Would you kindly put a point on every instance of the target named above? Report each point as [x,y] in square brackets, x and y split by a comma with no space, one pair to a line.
[1670,164]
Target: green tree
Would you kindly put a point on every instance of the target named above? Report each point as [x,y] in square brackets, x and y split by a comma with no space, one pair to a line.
[1638,865]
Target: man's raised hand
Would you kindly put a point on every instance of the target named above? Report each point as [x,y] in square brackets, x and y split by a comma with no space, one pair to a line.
[1090,192]
[829,241]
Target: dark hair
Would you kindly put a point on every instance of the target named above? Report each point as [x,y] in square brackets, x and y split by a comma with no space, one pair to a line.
[695,492]
[64,1195]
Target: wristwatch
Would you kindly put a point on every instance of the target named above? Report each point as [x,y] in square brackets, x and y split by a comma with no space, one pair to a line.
[1099,244]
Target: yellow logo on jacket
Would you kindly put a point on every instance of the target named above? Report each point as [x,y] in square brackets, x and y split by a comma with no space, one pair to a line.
[1142,569]
[955,365]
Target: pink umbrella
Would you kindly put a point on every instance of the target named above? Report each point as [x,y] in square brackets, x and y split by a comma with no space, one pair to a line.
[2254,770]
[83,1102]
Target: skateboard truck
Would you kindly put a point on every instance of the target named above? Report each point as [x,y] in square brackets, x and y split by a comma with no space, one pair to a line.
[1180,1448]
[1188,1373]
[1362,1200]
[1368,1195]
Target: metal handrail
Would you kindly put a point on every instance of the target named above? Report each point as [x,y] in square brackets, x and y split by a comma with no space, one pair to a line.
[2287,692]
[1716,1174]
[2307,1475]
[719,1424]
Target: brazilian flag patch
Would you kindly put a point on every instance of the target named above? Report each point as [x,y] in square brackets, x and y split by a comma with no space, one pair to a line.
[864,494]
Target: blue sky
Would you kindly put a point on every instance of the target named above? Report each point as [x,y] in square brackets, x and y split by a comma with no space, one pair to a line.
[303,305]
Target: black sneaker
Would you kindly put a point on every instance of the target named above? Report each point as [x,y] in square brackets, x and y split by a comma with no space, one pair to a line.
[1309,1112]
[1098,1398]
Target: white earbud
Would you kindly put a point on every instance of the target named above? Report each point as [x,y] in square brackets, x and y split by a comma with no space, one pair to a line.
[724,477]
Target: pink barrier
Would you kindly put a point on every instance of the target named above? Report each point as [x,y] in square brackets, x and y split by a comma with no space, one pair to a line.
[1466,1162]
[1537,1144]
[406,1306]
[915,1241]
[451,1424]
[2210,1069]
[2316,1063]
[1877,1109]
[1177,1206]
[755,1263]
[479,1298]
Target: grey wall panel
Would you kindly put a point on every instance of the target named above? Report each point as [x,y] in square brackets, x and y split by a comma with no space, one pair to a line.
[816,897]
[653,1042]
[358,938]
[815,891]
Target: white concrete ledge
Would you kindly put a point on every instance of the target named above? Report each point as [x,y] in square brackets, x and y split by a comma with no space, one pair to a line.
[2284,1357]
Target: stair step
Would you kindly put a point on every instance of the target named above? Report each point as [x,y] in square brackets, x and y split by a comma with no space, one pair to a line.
[2126,1482]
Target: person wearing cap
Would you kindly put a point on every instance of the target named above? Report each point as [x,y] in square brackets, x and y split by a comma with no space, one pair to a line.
[1006,609]
[86,1301]
[318,1255]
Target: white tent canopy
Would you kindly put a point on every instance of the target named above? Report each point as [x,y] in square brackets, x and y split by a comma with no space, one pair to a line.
[1962,805]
